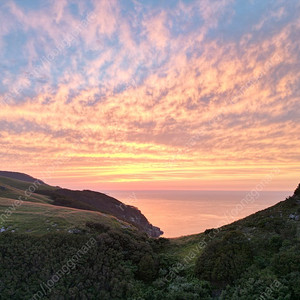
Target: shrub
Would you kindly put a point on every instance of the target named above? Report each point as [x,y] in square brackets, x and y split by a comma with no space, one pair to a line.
[223,261]
[147,269]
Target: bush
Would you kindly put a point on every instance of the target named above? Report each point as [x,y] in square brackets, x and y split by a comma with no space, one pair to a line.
[223,261]
[147,268]
[98,227]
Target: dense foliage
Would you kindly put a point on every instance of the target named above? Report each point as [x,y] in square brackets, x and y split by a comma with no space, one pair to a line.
[223,261]
[119,266]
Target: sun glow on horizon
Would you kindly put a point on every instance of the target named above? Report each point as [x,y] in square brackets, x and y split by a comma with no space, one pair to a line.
[131,95]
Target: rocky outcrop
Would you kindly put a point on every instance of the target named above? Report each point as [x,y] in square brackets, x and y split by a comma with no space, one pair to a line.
[153,231]
[294,217]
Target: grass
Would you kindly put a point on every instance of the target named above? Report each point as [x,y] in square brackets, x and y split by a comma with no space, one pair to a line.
[13,189]
[22,185]
[36,214]
[40,218]
[185,250]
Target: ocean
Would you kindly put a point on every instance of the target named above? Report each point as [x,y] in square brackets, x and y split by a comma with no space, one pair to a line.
[180,213]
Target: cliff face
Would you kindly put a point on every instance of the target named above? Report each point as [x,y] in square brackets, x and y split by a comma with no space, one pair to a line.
[101,202]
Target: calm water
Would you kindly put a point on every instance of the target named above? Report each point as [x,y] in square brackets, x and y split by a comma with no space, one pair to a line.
[180,213]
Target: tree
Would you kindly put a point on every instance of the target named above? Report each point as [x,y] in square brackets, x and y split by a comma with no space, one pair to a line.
[147,268]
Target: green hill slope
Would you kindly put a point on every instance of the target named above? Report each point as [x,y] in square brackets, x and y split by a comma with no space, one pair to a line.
[20,176]
[14,189]
[40,218]
[34,190]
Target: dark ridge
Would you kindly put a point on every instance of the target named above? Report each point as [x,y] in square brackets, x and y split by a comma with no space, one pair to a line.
[20,176]
[297,191]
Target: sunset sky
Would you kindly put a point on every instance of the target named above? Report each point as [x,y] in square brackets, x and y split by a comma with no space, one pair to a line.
[104,94]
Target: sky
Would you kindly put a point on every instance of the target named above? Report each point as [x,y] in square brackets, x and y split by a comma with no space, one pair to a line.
[166,95]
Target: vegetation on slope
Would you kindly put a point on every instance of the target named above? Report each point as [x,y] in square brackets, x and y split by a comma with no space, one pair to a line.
[254,258]
[39,218]
[20,176]
[26,191]
[34,190]
[257,255]
[96,201]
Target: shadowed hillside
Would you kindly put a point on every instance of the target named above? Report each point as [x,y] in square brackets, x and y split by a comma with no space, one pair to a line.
[20,176]
[96,201]
[35,190]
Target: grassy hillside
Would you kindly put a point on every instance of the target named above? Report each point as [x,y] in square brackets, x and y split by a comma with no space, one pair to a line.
[96,201]
[34,190]
[252,258]
[20,176]
[40,218]
[262,224]
[13,189]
